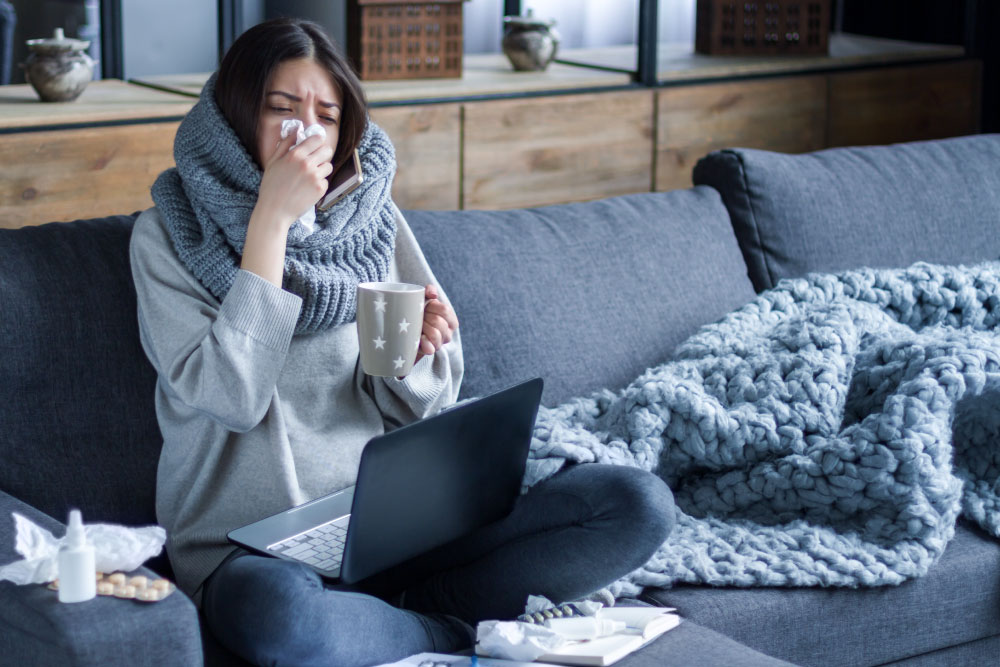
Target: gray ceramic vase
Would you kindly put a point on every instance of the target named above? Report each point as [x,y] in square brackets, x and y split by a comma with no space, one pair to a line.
[529,43]
[58,68]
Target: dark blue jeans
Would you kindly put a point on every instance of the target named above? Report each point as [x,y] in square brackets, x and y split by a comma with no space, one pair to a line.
[569,536]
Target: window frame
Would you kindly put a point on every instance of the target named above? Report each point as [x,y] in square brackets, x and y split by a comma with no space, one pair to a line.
[112,53]
[232,25]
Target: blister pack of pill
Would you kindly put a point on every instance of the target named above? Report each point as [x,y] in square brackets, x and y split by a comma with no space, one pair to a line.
[138,587]
[561,611]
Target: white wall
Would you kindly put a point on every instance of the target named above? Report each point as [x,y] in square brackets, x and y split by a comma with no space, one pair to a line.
[174,37]
[580,23]
[675,21]
[181,36]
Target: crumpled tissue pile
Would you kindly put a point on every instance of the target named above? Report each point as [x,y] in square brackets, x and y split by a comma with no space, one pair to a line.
[116,549]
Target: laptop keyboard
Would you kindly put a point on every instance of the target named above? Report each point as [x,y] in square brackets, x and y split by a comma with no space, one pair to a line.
[321,547]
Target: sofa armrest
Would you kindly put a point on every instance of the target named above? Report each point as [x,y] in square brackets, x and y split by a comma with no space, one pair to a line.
[36,629]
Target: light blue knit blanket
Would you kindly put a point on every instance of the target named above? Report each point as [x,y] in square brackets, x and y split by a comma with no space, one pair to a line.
[828,433]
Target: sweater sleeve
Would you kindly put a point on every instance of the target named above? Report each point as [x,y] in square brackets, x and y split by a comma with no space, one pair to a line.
[221,359]
[434,382]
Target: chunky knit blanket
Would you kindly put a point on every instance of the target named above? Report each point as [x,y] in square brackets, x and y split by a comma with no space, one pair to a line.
[828,433]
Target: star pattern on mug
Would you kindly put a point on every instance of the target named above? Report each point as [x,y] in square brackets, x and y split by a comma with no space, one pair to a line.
[404,326]
[379,343]
[398,362]
[380,305]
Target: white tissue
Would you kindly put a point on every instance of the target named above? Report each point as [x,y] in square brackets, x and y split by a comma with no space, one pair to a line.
[537,603]
[588,607]
[307,219]
[515,640]
[116,548]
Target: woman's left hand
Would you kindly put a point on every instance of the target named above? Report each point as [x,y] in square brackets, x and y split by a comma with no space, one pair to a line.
[440,323]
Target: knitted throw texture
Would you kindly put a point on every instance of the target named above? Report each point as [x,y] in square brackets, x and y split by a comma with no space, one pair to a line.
[207,199]
[828,433]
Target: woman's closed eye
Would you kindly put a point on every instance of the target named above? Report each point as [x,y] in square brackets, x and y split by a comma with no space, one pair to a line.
[328,119]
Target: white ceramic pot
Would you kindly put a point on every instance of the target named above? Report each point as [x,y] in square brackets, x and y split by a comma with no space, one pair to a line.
[530,44]
[58,68]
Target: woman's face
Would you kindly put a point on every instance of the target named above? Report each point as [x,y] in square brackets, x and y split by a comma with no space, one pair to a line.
[299,89]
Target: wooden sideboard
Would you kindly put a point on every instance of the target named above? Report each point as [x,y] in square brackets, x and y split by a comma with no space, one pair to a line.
[96,156]
[502,139]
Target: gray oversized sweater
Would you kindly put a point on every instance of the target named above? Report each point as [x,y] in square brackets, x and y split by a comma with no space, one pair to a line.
[255,420]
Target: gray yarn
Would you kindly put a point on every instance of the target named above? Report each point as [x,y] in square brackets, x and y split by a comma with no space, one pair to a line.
[829,433]
[207,199]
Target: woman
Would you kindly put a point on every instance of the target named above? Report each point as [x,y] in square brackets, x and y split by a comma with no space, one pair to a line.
[247,316]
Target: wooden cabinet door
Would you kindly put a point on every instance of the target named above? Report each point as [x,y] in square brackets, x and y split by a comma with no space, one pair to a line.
[786,114]
[427,154]
[62,175]
[911,103]
[558,148]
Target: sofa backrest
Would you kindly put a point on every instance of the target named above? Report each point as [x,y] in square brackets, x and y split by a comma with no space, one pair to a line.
[585,295]
[77,422]
[843,208]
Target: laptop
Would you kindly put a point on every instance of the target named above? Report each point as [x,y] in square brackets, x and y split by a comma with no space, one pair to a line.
[418,487]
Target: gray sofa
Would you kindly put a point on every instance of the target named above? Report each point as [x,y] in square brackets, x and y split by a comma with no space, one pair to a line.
[587,296]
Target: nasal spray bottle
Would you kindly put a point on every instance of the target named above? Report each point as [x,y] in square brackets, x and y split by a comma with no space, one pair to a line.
[77,574]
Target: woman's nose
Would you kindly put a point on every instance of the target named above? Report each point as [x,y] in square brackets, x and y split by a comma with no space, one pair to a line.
[309,117]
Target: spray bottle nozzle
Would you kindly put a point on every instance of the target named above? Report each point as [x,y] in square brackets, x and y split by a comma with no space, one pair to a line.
[75,535]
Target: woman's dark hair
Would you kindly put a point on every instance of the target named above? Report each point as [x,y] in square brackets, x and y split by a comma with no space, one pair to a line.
[247,67]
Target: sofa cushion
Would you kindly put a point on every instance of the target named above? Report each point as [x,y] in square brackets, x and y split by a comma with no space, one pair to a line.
[958,601]
[585,295]
[76,390]
[879,206]
[691,644]
[980,652]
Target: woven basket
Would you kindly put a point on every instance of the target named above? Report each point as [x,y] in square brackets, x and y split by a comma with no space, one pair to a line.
[759,28]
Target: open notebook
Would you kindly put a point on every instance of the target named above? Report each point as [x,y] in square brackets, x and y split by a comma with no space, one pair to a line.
[643,625]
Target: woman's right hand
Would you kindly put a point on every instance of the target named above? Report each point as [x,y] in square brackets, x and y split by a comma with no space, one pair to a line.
[294,178]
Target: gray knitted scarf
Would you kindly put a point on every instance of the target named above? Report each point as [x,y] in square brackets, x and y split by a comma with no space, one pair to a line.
[207,199]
